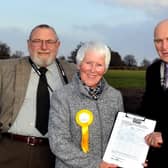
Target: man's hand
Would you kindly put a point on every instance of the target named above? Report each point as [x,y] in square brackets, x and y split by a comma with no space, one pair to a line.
[154,139]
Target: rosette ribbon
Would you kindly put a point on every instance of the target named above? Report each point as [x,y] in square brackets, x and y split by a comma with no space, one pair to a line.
[84,118]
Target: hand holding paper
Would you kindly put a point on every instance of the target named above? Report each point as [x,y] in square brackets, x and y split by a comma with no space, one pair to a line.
[127,147]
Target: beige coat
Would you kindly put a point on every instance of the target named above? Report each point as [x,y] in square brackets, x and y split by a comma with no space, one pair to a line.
[14,77]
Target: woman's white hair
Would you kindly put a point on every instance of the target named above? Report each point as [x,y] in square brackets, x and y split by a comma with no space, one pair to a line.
[94,46]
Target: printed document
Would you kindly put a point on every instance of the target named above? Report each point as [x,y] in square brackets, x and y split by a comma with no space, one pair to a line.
[127,147]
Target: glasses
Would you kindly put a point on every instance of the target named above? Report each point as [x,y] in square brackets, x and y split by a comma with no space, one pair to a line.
[38,42]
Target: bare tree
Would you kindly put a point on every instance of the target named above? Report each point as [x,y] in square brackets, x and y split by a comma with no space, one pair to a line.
[115,59]
[4,51]
[17,54]
[130,60]
[72,57]
[145,63]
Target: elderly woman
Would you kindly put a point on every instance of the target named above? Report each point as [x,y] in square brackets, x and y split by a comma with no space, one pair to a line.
[83,112]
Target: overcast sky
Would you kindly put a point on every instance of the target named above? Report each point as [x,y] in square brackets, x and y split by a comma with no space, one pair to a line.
[124,25]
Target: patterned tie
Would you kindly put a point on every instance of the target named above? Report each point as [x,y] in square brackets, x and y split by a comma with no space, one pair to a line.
[43,103]
[166,76]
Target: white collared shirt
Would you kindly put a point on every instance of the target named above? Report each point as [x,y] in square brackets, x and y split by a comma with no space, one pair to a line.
[25,121]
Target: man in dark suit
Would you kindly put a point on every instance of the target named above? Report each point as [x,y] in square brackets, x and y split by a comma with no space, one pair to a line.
[21,142]
[155,99]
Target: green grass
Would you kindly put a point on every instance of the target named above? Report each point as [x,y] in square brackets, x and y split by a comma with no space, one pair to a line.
[126,78]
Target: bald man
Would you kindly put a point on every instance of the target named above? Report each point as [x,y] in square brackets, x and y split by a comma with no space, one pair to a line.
[155,99]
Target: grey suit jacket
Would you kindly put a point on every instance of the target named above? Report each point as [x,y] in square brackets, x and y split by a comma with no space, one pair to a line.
[14,77]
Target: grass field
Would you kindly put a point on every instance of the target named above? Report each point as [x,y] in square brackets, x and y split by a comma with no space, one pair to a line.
[126,78]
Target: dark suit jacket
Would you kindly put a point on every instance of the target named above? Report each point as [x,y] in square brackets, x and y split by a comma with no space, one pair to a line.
[155,106]
[14,77]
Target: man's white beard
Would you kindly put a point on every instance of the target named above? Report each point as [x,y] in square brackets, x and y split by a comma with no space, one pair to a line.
[41,62]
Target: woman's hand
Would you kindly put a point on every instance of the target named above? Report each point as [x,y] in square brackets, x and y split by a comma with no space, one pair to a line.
[107,165]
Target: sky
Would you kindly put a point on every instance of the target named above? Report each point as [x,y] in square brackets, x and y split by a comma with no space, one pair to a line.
[126,26]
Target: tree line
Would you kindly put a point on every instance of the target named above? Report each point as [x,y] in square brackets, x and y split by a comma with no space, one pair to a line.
[5,52]
[128,61]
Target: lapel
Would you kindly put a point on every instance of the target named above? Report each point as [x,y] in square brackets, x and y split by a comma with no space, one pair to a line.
[23,69]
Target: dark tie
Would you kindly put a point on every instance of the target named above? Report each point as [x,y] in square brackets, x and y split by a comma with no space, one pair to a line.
[43,103]
[166,76]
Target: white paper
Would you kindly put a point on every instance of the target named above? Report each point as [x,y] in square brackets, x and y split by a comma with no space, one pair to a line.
[126,147]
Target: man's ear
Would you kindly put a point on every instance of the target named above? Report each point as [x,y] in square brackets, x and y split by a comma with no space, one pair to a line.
[78,67]
[58,43]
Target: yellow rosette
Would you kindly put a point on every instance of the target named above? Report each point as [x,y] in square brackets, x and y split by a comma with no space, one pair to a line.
[84,118]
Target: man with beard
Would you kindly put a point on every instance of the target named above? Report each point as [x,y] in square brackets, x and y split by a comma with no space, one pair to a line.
[26,85]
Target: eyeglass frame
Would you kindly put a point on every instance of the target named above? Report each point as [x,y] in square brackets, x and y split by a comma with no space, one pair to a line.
[39,42]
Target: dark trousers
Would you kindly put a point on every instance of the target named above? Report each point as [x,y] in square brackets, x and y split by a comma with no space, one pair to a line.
[16,154]
[157,158]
